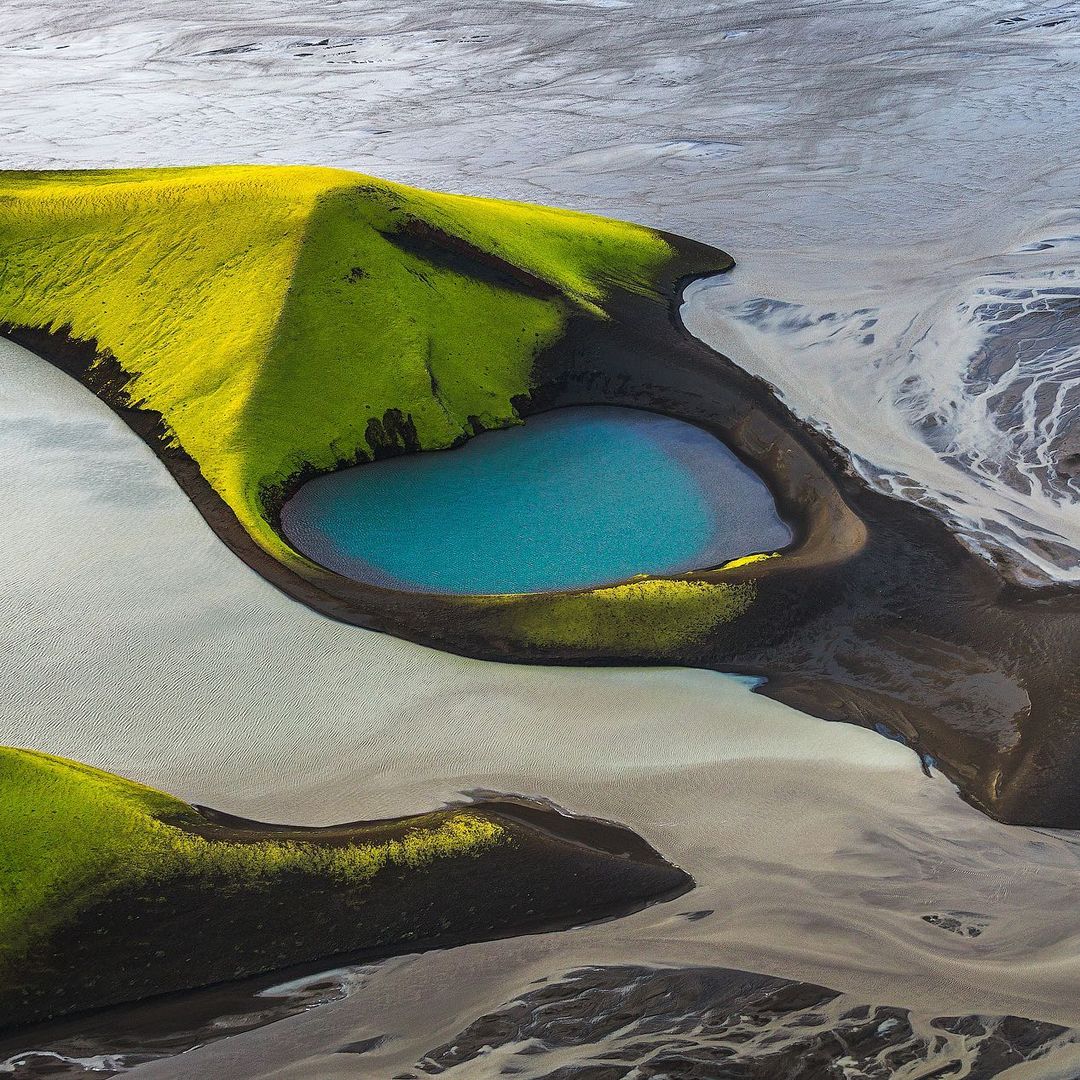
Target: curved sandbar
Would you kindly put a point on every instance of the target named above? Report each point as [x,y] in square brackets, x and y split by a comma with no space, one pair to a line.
[260,326]
[114,891]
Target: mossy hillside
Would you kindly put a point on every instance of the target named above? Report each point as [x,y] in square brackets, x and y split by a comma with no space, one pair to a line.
[70,835]
[270,314]
[645,616]
[650,616]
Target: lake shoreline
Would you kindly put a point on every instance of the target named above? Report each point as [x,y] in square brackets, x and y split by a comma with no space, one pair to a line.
[579,498]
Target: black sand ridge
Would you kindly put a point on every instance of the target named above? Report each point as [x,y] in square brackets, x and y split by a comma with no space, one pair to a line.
[548,871]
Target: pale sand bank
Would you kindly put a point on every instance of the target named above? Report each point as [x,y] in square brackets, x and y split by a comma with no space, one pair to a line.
[138,642]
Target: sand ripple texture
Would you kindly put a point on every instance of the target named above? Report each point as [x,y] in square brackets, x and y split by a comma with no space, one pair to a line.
[899,183]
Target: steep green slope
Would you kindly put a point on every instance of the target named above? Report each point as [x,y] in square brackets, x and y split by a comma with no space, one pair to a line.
[275,316]
[111,892]
[71,835]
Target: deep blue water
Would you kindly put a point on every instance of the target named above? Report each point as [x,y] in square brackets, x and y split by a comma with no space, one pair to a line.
[575,497]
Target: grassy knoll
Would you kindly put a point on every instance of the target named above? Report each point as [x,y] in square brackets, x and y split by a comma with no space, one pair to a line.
[113,892]
[275,315]
[71,835]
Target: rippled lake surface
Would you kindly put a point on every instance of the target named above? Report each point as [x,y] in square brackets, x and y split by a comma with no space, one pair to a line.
[575,497]
[899,185]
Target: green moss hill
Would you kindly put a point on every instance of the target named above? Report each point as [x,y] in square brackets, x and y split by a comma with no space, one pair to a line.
[271,314]
[72,835]
[286,320]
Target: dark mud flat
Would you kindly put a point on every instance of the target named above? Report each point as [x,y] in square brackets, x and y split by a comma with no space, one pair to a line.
[719,1024]
[111,1041]
[549,872]
[875,614]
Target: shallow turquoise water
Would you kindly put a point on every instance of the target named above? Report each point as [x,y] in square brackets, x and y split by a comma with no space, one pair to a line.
[575,497]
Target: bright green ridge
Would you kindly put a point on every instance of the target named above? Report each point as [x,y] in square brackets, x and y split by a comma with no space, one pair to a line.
[269,318]
[71,834]
[646,616]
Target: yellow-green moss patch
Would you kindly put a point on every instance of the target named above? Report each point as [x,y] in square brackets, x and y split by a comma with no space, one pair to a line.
[651,616]
[271,314]
[71,834]
[750,560]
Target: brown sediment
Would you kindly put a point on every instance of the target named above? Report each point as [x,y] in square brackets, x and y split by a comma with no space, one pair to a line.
[875,615]
[548,871]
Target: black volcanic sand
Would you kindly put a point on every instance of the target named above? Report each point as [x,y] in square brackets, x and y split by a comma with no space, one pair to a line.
[169,1024]
[712,1023]
[876,615]
[552,871]
[691,1023]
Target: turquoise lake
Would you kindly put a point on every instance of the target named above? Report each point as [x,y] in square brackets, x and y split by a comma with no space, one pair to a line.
[575,497]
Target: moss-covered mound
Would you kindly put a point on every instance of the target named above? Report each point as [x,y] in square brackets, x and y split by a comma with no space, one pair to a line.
[283,319]
[620,620]
[259,325]
[111,891]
